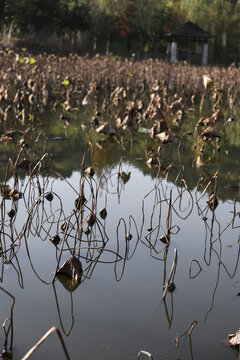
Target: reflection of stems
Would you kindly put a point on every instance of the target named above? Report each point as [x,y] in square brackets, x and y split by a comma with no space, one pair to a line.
[29,257]
[126,249]
[190,269]
[190,345]
[165,265]
[169,318]
[11,318]
[214,292]
[19,272]
[191,202]
[172,274]
[210,241]
[224,266]
[169,216]
[59,313]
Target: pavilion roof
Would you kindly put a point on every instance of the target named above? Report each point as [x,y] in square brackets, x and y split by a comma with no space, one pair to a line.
[188,31]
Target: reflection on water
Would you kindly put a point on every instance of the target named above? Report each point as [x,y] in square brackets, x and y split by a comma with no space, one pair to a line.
[127,258]
[154,251]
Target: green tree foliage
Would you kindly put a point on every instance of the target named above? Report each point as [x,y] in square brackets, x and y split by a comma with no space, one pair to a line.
[2,10]
[151,27]
[39,15]
[33,15]
[222,19]
[74,15]
[144,21]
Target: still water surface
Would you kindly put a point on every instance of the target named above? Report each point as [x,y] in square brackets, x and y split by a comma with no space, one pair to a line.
[118,310]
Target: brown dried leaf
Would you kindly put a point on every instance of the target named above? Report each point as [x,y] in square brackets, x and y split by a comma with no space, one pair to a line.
[210,133]
[234,339]
[106,129]
[5,138]
[72,269]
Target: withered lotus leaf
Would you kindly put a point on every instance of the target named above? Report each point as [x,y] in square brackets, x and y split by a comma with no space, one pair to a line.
[213,201]
[72,269]
[234,339]
[89,171]
[106,129]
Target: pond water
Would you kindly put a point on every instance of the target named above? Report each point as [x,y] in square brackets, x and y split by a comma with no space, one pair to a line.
[118,307]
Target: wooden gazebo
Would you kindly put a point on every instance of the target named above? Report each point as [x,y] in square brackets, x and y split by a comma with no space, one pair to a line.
[188,32]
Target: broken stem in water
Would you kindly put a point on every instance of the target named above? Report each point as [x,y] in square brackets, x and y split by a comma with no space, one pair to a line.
[43,338]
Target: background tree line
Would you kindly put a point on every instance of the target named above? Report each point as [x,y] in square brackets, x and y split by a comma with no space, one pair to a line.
[127,25]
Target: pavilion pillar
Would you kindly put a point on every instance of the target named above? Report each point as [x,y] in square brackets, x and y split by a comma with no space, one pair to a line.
[205,55]
[173,55]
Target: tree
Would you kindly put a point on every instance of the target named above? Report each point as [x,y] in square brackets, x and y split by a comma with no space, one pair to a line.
[2,11]
[74,15]
[33,15]
[222,19]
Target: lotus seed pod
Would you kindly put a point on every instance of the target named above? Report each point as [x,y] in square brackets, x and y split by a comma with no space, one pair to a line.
[55,239]
[89,171]
[128,236]
[87,231]
[49,196]
[80,200]
[63,226]
[91,219]
[11,213]
[103,213]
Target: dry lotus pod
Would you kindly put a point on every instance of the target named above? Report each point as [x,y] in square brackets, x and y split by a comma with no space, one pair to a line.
[15,195]
[153,161]
[103,213]
[11,213]
[89,171]
[170,287]
[106,129]
[128,236]
[80,200]
[63,226]
[49,196]
[91,219]
[55,239]
[6,355]
[213,201]
[165,239]
[87,231]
